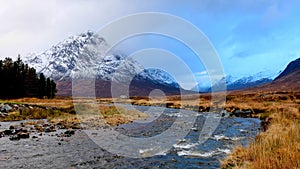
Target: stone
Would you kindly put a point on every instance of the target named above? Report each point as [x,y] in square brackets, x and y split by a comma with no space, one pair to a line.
[6,108]
[68,133]
[50,129]
[71,132]
[7,132]
[23,135]
[14,138]
[47,130]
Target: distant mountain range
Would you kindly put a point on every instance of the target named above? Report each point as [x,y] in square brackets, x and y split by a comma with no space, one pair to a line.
[83,56]
[238,83]
[286,80]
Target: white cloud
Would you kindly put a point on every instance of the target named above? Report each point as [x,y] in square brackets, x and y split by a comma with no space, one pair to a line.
[32,25]
[201,73]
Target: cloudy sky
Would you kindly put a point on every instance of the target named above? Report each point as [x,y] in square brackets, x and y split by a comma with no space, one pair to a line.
[249,36]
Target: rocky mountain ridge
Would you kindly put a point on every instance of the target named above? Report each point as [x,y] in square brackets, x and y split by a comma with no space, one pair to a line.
[84,56]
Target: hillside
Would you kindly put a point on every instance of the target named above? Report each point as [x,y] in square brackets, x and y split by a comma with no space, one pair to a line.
[287,81]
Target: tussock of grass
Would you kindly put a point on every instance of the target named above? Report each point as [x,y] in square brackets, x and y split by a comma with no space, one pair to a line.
[63,111]
[278,147]
[35,113]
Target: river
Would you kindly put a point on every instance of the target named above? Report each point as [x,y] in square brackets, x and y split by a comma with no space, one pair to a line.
[81,151]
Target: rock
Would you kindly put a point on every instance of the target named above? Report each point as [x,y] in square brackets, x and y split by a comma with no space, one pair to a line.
[50,129]
[71,132]
[76,126]
[14,138]
[194,129]
[11,127]
[47,130]
[6,108]
[7,132]
[68,133]
[23,135]
[39,128]
[34,136]
[46,125]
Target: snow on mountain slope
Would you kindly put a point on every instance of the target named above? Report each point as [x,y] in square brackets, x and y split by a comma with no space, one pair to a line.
[235,83]
[84,56]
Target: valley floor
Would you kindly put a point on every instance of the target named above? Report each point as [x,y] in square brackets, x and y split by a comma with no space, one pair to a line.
[277,147]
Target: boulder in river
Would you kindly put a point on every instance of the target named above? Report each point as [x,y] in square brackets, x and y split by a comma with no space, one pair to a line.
[6,108]
[23,135]
[7,132]
[14,137]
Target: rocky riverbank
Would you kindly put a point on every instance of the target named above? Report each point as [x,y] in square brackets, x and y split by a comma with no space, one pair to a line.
[34,129]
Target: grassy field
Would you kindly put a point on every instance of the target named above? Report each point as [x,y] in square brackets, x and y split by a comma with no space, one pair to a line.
[63,110]
[278,146]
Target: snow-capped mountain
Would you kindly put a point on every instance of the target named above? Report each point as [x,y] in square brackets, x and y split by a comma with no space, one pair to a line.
[235,83]
[84,56]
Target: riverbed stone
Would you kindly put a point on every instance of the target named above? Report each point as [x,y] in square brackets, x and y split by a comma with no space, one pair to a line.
[14,138]
[7,132]
[23,135]
[6,108]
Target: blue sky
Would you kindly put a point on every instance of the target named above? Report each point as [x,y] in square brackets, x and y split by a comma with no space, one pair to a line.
[250,36]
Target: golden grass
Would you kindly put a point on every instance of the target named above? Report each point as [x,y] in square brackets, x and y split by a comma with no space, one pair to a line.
[36,113]
[58,103]
[63,111]
[278,147]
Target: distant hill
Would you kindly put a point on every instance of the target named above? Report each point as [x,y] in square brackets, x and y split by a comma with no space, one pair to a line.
[292,68]
[288,80]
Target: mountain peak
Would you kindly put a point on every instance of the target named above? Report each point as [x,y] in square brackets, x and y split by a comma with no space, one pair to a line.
[84,55]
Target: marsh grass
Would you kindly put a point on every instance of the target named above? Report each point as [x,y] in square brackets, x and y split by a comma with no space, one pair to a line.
[63,111]
[278,147]
[36,113]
